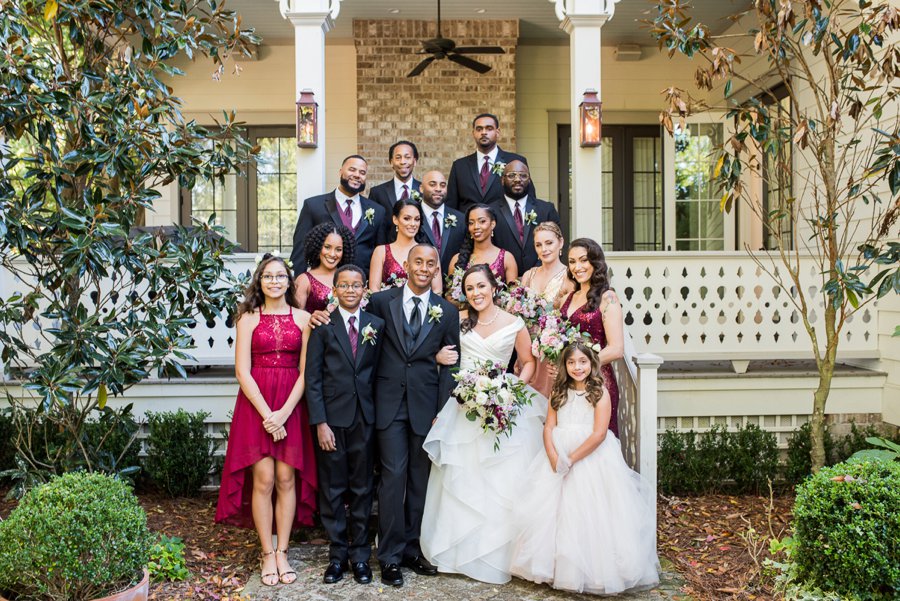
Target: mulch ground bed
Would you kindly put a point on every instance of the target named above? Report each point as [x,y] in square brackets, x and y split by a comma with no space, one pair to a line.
[717,542]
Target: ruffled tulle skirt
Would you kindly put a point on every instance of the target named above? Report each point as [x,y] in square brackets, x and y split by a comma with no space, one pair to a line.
[591,530]
[248,442]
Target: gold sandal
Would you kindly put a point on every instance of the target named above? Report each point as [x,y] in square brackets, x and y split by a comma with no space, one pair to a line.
[262,562]
[281,575]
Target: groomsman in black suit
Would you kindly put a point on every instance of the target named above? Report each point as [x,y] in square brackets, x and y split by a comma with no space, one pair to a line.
[476,178]
[340,383]
[402,156]
[445,227]
[344,206]
[410,390]
[518,213]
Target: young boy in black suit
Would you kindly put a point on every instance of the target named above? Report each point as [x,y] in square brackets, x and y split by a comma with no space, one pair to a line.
[340,377]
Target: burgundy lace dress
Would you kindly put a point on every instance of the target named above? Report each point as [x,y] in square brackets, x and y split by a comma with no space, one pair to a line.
[275,347]
[392,271]
[591,322]
[317,299]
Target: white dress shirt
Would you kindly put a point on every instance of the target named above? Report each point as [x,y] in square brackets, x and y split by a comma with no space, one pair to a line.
[492,155]
[429,212]
[408,304]
[512,205]
[355,205]
[346,315]
[398,187]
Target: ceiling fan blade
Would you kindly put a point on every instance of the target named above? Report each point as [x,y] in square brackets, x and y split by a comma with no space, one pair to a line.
[421,66]
[469,63]
[479,50]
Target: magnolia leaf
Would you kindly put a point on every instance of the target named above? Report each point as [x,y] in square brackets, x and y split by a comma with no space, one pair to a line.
[101,396]
[50,10]
[873,454]
[719,164]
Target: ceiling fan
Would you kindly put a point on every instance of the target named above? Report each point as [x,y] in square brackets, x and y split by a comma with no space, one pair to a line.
[441,47]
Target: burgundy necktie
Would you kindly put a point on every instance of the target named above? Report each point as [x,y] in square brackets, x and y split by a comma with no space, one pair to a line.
[485,173]
[354,335]
[436,230]
[405,194]
[520,225]
[347,215]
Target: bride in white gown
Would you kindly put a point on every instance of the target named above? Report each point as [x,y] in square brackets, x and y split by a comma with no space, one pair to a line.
[468,527]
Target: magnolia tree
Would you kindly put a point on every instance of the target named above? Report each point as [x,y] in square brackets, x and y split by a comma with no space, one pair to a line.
[838,63]
[90,131]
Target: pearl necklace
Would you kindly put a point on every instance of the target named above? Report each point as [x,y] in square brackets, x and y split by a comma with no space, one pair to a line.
[492,320]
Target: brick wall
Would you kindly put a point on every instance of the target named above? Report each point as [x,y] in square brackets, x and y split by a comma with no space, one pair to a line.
[435,109]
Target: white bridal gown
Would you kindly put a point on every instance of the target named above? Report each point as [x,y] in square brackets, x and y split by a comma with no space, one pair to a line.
[468,526]
[592,529]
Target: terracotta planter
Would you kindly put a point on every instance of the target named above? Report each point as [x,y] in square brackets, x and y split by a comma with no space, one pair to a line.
[138,592]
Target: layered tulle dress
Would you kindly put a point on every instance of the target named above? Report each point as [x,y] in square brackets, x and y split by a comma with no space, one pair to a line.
[591,530]
[275,347]
[467,527]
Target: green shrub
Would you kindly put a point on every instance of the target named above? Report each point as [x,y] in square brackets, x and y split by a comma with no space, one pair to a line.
[7,440]
[847,530]
[113,440]
[854,441]
[799,464]
[179,451]
[80,536]
[167,560]
[690,462]
[752,459]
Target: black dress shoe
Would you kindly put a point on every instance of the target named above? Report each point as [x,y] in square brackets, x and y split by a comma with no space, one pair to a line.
[419,565]
[362,573]
[334,572]
[391,575]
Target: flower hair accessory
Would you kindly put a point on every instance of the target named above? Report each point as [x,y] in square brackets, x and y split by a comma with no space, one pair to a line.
[274,254]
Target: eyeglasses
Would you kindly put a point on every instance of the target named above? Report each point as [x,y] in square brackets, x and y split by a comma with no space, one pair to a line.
[517,176]
[281,277]
[357,286]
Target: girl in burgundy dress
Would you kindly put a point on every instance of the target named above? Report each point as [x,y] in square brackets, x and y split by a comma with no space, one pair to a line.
[327,246]
[269,476]
[478,247]
[386,268]
[596,310]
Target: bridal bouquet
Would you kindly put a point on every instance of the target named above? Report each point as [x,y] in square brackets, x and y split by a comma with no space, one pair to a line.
[492,397]
[453,286]
[555,332]
[524,302]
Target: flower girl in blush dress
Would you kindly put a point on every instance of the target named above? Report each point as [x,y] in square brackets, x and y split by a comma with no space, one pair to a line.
[584,521]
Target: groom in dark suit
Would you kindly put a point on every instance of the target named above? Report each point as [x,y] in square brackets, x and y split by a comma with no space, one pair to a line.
[518,213]
[410,390]
[476,178]
[341,358]
[344,206]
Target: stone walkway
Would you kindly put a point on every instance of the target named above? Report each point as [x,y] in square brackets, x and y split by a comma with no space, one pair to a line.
[310,561]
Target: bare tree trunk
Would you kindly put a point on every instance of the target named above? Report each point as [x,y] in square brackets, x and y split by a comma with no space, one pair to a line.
[825,366]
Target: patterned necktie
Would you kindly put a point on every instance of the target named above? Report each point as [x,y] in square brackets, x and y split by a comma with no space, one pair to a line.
[485,173]
[415,319]
[354,335]
[405,194]
[436,230]
[520,225]
[347,215]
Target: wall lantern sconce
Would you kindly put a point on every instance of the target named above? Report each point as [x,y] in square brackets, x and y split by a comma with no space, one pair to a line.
[307,122]
[590,119]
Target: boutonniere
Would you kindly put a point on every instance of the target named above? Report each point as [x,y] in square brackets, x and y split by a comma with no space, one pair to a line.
[498,167]
[450,221]
[531,217]
[370,216]
[416,195]
[369,334]
[435,312]
[331,303]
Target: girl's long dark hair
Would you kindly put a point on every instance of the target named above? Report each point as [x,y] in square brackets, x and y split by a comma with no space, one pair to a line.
[253,295]
[468,245]
[594,383]
[599,283]
[315,240]
[469,322]
[421,237]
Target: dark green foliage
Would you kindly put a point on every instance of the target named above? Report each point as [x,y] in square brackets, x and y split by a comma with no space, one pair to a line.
[752,459]
[855,441]
[180,452]
[167,561]
[80,536]
[799,463]
[847,530]
[7,440]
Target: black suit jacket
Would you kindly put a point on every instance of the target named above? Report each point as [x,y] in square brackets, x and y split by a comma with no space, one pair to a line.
[464,183]
[452,236]
[337,384]
[507,236]
[386,196]
[323,209]
[415,375]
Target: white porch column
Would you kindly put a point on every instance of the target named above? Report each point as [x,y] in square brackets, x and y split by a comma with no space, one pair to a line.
[583,20]
[647,414]
[311,19]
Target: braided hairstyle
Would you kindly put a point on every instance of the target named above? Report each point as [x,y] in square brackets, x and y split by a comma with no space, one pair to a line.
[468,245]
[315,240]
[420,237]
[471,315]
[599,282]
[253,295]
[594,384]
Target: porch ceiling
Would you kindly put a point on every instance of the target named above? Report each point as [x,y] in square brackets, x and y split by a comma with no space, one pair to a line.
[537,20]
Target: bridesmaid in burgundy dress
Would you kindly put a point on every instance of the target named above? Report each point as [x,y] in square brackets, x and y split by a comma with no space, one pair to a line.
[478,247]
[328,246]
[386,268]
[596,310]
[269,478]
